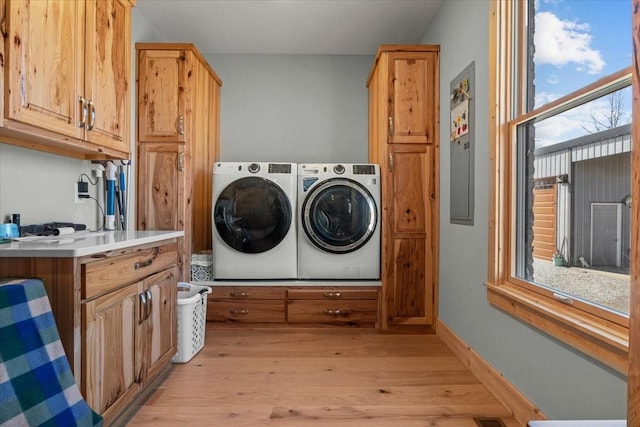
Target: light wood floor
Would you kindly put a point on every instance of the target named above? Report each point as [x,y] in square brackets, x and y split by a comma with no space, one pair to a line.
[320,377]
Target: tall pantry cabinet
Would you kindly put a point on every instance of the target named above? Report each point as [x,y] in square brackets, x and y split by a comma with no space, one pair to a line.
[403,140]
[177,143]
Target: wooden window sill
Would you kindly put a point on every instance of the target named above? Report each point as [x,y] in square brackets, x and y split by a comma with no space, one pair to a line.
[601,339]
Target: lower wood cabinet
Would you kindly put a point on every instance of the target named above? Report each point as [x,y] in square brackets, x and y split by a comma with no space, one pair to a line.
[130,337]
[338,306]
[248,304]
[344,307]
[130,325]
[116,315]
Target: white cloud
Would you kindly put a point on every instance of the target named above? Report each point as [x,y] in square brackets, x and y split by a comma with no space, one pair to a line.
[558,129]
[572,123]
[561,42]
[542,98]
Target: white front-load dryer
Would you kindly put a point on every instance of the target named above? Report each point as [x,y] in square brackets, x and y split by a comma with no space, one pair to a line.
[254,221]
[339,221]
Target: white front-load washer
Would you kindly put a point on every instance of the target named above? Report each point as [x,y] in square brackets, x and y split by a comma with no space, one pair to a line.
[254,221]
[339,221]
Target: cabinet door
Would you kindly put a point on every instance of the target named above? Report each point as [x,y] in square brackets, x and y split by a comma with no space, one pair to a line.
[107,70]
[160,342]
[162,92]
[411,188]
[45,65]
[164,194]
[412,100]
[409,294]
[408,245]
[161,175]
[109,374]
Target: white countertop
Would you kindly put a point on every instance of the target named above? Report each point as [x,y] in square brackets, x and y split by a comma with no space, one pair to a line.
[82,244]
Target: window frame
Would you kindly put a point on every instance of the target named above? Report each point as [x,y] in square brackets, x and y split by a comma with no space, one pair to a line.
[601,334]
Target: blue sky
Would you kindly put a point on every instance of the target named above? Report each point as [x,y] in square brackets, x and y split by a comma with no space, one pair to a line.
[578,42]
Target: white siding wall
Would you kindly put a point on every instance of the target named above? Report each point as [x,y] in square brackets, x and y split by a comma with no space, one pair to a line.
[617,145]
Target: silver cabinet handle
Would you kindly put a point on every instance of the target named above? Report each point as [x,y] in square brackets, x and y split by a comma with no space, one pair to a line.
[83,112]
[391,162]
[336,312]
[181,125]
[238,294]
[390,126]
[181,162]
[142,309]
[238,312]
[149,303]
[332,295]
[92,114]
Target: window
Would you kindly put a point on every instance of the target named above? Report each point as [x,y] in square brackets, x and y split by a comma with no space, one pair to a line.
[560,227]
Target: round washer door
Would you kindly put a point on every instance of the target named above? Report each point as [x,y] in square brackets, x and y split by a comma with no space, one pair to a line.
[339,215]
[252,215]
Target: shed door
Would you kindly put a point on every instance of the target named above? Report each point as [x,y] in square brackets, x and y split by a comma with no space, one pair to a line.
[606,234]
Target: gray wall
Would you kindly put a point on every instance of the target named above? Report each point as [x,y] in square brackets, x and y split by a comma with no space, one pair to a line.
[561,381]
[603,179]
[294,108]
[41,186]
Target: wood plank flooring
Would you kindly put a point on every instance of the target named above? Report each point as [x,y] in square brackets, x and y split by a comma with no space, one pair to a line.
[320,377]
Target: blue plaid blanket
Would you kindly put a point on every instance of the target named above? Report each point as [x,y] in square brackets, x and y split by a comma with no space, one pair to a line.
[37,387]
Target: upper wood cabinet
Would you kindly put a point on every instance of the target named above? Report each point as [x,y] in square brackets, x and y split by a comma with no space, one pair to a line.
[66,86]
[178,133]
[412,101]
[161,95]
[403,140]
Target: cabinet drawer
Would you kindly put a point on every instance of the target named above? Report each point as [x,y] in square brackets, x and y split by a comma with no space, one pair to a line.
[110,273]
[249,311]
[356,312]
[333,294]
[247,293]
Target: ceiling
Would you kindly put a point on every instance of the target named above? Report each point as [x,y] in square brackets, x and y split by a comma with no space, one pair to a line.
[324,27]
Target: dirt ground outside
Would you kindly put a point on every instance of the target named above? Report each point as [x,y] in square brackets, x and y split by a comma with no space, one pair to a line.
[608,289]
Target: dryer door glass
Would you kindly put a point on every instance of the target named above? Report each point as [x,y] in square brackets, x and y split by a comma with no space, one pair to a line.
[339,215]
[252,215]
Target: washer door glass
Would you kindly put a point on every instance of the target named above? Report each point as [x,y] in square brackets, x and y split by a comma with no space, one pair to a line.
[339,215]
[252,215]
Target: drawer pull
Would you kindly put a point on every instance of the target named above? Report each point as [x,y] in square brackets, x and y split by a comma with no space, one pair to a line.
[332,295]
[143,264]
[238,294]
[336,312]
[238,312]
